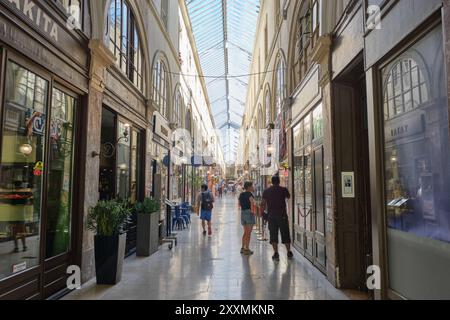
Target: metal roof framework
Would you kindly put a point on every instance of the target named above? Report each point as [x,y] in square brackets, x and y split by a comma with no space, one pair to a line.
[224,32]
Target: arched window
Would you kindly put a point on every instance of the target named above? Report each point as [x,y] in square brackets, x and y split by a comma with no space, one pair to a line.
[161,88]
[177,107]
[280,86]
[268,107]
[405,88]
[124,42]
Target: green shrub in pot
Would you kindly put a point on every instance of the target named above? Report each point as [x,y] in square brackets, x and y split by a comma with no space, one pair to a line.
[148,206]
[108,220]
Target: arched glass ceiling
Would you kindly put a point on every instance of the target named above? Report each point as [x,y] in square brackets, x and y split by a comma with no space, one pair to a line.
[224,31]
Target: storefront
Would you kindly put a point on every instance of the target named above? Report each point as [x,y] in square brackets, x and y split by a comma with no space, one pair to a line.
[43,93]
[161,161]
[413,216]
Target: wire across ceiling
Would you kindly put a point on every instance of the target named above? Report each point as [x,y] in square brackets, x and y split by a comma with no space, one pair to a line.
[224,31]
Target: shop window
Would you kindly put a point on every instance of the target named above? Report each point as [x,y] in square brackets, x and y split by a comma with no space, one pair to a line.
[60,177]
[161,88]
[417,168]
[21,169]
[124,42]
[25,159]
[318,122]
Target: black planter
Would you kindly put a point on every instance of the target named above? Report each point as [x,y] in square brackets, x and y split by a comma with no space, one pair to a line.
[109,256]
[147,234]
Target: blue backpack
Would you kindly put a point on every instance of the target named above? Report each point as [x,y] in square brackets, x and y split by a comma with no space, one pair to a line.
[207,201]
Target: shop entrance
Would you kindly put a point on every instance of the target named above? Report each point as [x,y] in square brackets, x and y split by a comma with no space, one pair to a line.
[120,166]
[354,244]
[309,202]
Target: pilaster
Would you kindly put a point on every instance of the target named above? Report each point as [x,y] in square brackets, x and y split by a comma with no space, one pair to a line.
[101,59]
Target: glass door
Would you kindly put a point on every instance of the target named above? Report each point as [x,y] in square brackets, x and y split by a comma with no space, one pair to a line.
[309,199]
[307,158]
[60,174]
[299,189]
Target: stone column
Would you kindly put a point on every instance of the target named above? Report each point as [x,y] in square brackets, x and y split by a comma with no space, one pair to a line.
[322,56]
[101,58]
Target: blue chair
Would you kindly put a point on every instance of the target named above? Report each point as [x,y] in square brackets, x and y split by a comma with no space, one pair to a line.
[186,212]
[185,215]
[178,220]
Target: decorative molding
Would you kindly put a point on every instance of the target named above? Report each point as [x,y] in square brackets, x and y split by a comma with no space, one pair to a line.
[322,48]
[101,59]
[321,56]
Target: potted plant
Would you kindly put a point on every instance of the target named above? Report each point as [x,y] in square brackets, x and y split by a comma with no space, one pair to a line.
[108,220]
[147,227]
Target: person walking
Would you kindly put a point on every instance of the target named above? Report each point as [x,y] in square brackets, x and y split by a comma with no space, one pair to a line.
[274,200]
[205,200]
[220,190]
[246,199]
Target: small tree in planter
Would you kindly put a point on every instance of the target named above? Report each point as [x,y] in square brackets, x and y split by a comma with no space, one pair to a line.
[108,220]
[147,227]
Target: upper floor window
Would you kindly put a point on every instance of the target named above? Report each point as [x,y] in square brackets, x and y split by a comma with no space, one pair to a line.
[268,107]
[177,108]
[280,87]
[405,88]
[74,8]
[165,12]
[161,88]
[124,42]
[306,33]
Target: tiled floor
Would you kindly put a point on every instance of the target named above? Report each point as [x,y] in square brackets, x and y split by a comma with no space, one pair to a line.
[212,268]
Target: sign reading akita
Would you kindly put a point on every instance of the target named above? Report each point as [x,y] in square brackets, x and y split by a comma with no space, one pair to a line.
[35,14]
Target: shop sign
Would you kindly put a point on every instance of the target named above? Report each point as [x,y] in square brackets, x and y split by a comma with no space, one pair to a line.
[30,10]
[161,127]
[403,127]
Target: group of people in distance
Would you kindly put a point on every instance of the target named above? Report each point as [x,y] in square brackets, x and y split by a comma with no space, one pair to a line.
[273,202]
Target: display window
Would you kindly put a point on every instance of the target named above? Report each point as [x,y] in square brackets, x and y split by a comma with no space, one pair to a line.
[417,168]
[36,169]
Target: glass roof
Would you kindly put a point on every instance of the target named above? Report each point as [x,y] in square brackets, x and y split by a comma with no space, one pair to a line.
[224,31]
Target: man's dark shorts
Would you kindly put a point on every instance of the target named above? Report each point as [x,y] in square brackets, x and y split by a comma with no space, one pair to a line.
[279,223]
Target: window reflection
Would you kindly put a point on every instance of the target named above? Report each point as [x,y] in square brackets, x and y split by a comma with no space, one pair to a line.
[21,169]
[60,174]
[416,125]
[123,162]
